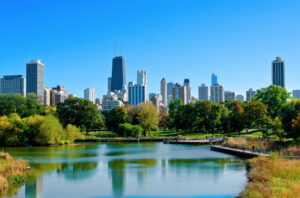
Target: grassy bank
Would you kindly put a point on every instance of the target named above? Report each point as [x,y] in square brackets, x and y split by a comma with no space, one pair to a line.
[11,174]
[273,178]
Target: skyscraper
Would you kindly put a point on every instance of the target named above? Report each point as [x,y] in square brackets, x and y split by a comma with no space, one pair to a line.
[250,94]
[217,93]
[109,84]
[118,78]
[170,86]
[136,94]
[214,79]
[35,79]
[186,83]
[278,76]
[240,98]
[163,92]
[203,92]
[229,95]
[13,84]
[89,94]
[142,80]
[179,92]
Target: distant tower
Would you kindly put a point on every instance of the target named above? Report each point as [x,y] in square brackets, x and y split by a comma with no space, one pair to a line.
[188,89]
[170,87]
[13,84]
[89,94]
[278,76]
[142,80]
[136,94]
[163,92]
[203,92]
[118,78]
[35,79]
[229,95]
[109,84]
[179,92]
[250,94]
[214,79]
[217,93]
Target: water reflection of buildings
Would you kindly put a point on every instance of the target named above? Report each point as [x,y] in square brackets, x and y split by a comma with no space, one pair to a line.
[34,186]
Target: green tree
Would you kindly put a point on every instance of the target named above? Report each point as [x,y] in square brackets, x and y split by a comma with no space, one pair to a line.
[115,117]
[163,121]
[296,127]
[24,107]
[80,113]
[173,109]
[43,130]
[274,97]
[254,114]
[289,111]
[236,115]
[127,129]
[148,117]
[72,133]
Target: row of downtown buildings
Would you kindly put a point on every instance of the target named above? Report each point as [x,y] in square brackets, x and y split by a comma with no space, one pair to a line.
[120,94]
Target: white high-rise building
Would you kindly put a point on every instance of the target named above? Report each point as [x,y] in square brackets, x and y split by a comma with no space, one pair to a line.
[217,93]
[136,94]
[143,80]
[250,94]
[296,94]
[47,98]
[229,95]
[203,92]
[163,92]
[187,84]
[89,94]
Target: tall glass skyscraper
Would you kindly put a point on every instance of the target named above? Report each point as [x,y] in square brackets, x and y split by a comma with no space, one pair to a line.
[35,79]
[118,79]
[214,79]
[13,84]
[278,77]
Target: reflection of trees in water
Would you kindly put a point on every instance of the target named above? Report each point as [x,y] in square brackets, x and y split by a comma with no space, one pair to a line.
[209,167]
[77,170]
[118,172]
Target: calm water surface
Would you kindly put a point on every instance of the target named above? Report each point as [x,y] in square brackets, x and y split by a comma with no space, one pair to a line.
[130,170]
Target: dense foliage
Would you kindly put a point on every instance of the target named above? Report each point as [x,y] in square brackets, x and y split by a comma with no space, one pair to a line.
[81,113]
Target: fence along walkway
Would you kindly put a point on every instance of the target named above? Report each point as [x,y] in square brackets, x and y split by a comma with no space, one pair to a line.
[238,152]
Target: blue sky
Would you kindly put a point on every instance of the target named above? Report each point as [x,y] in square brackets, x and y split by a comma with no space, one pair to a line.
[174,39]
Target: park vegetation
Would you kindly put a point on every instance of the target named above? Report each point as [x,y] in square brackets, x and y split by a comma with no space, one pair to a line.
[12,174]
[272,178]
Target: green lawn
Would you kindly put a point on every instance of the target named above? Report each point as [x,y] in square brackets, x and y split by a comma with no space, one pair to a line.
[183,134]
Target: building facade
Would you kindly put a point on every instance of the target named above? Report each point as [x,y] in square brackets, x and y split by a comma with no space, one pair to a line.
[203,92]
[179,92]
[136,94]
[163,92]
[214,79]
[118,78]
[229,96]
[240,98]
[89,94]
[217,93]
[111,101]
[187,84]
[278,72]
[170,86]
[35,79]
[250,94]
[13,84]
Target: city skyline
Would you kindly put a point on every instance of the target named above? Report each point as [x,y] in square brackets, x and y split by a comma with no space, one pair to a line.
[232,48]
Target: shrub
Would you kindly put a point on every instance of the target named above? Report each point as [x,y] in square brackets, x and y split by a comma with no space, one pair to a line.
[129,130]
[44,130]
[72,133]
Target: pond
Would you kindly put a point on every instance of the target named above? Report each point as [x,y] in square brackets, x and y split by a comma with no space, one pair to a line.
[130,170]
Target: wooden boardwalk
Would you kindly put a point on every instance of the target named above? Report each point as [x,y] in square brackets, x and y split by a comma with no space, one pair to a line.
[204,141]
[238,152]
